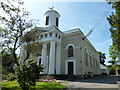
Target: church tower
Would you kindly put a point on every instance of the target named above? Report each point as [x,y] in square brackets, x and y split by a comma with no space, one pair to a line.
[51,17]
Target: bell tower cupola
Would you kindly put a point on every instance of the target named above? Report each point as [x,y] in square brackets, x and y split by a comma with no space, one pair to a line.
[51,17]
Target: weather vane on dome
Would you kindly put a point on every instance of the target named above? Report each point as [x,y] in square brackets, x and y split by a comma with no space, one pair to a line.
[51,8]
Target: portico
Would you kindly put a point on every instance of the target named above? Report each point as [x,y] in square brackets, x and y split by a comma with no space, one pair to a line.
[51,57]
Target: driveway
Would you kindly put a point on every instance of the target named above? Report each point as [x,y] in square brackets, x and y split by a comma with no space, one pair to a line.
[105,82]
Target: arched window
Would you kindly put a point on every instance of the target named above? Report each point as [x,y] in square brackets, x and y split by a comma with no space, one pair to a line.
[86,56]
[70,51]
[91,60]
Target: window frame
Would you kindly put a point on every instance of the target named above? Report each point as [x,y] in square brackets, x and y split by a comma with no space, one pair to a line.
[70,51]
[47,20]
[86,56]
[57,21]
[46,35]
[50,34]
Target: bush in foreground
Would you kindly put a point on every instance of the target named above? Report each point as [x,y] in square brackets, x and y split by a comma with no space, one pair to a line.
[27,73]
[9,77]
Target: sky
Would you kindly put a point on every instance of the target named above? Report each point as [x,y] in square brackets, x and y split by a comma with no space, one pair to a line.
[83,15]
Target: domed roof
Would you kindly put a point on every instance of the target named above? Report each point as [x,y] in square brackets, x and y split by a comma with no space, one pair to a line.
[51,10]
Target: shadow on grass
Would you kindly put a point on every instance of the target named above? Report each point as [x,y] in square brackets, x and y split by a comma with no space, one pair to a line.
[13,88]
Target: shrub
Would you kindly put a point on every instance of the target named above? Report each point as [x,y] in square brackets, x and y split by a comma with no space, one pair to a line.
[27,73]
[9,77]
[4,77]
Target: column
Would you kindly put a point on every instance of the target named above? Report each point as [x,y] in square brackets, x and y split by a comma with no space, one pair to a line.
[52,58]
[44,57]
[22,53]
[58,58]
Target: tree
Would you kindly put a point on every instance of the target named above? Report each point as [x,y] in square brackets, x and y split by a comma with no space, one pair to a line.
[114,21]
[111,69]
[102,58]
[14,23]
[113,56]
[113,53]
[7,62]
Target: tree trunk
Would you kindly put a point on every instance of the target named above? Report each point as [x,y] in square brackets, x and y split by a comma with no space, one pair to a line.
[15,59]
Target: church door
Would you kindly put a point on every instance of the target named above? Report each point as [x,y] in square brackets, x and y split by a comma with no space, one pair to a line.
[70,68]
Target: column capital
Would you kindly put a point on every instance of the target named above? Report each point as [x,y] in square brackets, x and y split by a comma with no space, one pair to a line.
[44,45]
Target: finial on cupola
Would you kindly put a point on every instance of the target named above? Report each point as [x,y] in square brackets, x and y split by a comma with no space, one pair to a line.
[51,7]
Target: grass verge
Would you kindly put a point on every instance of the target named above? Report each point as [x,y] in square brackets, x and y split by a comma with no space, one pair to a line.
[13,85]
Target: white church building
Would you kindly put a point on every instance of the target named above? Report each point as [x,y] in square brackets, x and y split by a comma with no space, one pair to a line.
[62,52]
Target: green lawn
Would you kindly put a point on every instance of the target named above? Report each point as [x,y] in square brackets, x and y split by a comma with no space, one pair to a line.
[13,85]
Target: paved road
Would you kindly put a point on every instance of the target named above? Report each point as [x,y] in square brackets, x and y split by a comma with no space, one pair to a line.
[98,83]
